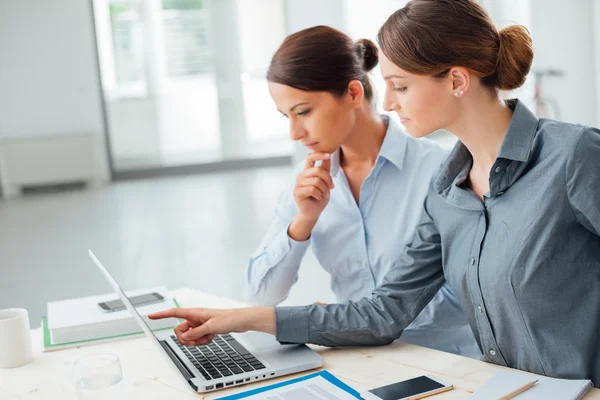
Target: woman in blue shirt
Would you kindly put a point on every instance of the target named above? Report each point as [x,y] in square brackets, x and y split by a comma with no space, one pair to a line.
[358,196]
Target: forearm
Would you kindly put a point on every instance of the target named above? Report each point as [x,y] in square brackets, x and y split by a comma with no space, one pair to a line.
[275,285]
[271,274]
[375,321]
[261,319]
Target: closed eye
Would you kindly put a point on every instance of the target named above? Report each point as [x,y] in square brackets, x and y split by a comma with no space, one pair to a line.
[400,89]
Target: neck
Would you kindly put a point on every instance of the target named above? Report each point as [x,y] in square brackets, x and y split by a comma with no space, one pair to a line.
[365,140]
[482,127]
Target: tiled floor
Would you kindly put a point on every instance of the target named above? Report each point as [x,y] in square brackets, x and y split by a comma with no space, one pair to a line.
[195,231]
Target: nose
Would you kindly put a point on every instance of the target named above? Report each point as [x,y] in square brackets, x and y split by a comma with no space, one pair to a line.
[297,132]
[389,104]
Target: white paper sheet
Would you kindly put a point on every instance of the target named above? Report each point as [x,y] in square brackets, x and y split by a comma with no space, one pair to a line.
[315,388]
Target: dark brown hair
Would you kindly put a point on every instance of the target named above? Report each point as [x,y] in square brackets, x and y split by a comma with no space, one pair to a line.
[428,37]
[324,59]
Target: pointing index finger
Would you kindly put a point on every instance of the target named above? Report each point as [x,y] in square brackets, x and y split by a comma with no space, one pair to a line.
[184,313]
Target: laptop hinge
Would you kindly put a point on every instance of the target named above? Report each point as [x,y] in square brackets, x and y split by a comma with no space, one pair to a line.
[187,374]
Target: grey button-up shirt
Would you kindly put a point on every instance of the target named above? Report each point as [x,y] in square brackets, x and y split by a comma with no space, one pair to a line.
[525,262]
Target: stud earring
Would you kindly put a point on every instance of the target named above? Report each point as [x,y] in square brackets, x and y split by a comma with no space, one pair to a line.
[456,94]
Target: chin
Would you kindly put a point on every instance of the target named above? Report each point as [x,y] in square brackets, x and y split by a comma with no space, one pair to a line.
[417,133]
[325,149]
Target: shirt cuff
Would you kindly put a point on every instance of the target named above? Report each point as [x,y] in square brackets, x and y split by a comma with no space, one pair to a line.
[297,248]
[292,324]
[284,246]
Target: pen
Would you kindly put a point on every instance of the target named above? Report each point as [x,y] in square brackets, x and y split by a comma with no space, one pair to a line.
[517,391]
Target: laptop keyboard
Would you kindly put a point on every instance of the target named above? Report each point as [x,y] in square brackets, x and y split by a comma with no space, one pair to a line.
[224,356]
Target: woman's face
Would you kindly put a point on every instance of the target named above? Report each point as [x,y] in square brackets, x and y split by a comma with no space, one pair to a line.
[319,120]
[424,104]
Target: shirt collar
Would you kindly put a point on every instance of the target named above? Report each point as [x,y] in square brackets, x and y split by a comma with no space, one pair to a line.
[518,142]
[393,148]
[516,146]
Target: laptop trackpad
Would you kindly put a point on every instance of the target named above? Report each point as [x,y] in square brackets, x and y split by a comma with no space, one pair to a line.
[258,340]
[289,358]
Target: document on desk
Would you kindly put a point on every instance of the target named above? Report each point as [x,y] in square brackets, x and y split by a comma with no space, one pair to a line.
[319,386]
[546,388]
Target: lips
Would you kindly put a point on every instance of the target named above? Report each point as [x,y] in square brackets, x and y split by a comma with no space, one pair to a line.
[311,145]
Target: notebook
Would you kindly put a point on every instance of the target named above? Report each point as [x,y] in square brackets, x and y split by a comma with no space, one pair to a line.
[78,320]
[50,345]
[546,388]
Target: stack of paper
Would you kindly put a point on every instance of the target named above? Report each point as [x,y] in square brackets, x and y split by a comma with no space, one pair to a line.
[505,382]
[82,319]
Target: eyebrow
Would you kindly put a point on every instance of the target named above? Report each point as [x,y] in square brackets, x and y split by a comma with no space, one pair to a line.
[292,109]
[299,104]
[385,78]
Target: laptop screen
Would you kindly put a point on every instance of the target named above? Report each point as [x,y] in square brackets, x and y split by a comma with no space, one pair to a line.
[119,291]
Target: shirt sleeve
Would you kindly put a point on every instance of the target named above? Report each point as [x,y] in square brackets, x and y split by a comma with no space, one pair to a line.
[583,182]
[273,268]
[407,288]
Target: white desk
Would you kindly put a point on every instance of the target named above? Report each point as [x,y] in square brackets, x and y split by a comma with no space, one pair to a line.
[148,377]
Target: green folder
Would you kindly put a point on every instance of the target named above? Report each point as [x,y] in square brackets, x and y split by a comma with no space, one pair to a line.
[49,346]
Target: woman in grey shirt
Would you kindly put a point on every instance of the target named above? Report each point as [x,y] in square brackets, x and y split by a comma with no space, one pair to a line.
[511,221]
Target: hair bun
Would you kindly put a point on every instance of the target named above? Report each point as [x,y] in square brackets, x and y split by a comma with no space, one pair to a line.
[515,56]
[368,52]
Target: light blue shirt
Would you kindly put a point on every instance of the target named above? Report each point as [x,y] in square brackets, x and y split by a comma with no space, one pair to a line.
[357,244]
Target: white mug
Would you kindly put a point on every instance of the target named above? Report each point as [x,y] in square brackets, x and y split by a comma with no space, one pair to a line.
[15,339]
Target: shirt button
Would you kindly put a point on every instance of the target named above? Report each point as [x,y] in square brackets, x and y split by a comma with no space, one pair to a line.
[500,193]
[472,261]
[492,352]
[498,169]
[480,309]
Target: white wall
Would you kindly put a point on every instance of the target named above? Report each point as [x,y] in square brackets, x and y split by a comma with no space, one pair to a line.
[509,12]
[301,14]
[48,71]
[262,29]
[563,38]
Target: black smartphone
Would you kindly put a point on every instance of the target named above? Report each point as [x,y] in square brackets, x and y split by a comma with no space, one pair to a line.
[412,389]
[141,300]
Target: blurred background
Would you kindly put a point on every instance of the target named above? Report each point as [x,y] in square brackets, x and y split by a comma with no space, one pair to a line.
[143,129]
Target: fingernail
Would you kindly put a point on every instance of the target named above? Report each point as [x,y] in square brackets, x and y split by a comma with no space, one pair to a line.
[186,336]
[327,155]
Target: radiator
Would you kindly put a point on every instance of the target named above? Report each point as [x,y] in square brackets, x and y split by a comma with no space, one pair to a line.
[47,160]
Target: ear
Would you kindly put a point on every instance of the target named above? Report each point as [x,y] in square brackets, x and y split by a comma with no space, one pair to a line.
[356,93]
[460,79]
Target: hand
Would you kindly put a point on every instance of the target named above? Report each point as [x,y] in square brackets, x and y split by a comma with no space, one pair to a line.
[202,324]
[311,192]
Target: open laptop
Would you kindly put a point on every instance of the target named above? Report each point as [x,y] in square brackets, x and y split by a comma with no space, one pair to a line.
[229,360]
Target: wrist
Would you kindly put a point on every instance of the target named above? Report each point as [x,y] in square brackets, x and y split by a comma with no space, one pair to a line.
[301,228]
[262,319]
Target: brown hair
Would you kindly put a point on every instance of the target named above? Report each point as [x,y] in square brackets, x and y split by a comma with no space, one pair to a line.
[428,37]
[324,59]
